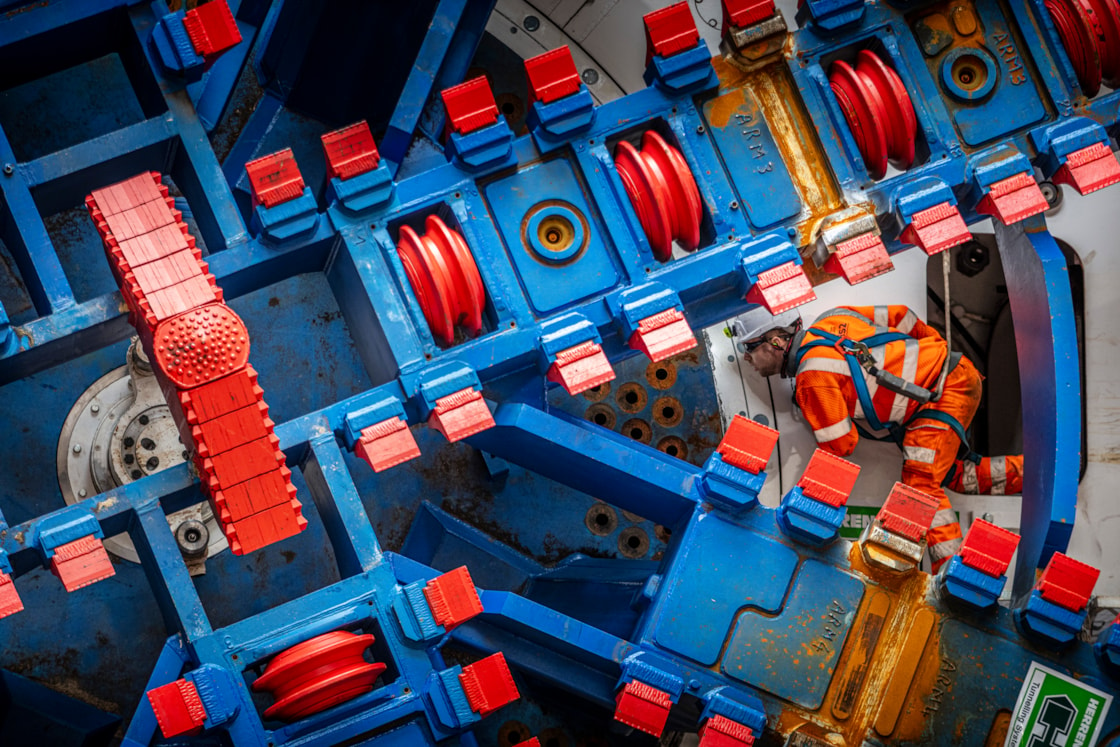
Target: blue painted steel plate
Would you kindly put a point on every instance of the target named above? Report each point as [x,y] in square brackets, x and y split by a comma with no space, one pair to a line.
[552,278]
[716,575]
[744,141]
[794,654]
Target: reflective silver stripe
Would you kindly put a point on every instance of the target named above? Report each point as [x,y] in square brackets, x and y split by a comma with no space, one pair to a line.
[834,431]
[945,549]
[944,516]
[969,482]
[918,454]
[998,467]
[820,363]
[882,315]
[907,322]
[909,373]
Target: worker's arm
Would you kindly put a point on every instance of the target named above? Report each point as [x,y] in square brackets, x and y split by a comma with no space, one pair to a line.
[900,317]
[826,411]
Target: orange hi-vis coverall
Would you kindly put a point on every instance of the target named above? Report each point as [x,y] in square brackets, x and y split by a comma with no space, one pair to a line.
[829,400]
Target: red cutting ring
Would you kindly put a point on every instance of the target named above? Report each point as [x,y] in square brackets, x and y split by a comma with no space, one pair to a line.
[1078,32]
[1107,13]
[317,674]
[854,95]
[663,192]
[902,123]
[444,278]
[685,195]
[643,188]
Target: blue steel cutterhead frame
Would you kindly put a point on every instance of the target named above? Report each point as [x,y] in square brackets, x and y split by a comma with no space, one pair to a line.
[356,254]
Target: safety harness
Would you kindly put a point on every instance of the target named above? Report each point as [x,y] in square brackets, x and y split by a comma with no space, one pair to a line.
[858,355]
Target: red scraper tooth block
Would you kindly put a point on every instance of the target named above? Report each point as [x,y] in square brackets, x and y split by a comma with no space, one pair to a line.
[274,179]
[488,684]
[936,229]
[262,529]
[907,512]
[670,30]
[242,463]
[1013,199]
[236,428]
[859,259]
[123,196]
[1089,169]
[81,563]
[828,478]
[200,345]
[387,444]
[720,731]
[452,598]
[988,548]
[350,151]
[581,367]
[212,28]
[747,444]
[1067,582]
[663,335]
[10,603]
[743,13]
[643,707]
[552,75]
[255,495]
[461,414]
[220,397]
[782,288]
[470,105]
[178,709]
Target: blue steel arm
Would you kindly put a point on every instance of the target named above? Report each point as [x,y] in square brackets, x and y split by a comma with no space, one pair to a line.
[1046,338]
[592,459]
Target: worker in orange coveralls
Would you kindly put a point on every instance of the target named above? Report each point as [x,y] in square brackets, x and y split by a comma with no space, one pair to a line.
[883,366]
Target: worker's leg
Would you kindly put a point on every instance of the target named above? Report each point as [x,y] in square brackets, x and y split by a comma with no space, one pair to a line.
[930,448]
[1002,475]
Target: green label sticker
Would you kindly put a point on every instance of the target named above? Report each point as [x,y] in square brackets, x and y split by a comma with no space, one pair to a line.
[856,519]
[859,517]
[1054,710]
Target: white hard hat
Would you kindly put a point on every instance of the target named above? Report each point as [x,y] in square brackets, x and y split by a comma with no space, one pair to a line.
[758,321]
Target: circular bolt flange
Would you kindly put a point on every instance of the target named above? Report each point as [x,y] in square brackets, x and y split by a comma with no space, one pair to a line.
[193,538]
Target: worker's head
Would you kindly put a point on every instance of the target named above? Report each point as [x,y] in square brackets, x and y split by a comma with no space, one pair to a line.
[764,339]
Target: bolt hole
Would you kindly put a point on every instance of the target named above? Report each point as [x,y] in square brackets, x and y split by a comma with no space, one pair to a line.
[148,443]
[635,433]
[671,450]
[136,474]
[152,463]
[143,419]
[602,519]
[600,418]
[668,413]
[633,541]
[661,374]
[129,459]
[631,397]
[554,742]
[129,442]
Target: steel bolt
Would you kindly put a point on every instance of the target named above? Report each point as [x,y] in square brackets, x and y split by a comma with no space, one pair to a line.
[988,517]
[77,448]
[734,205]
[82,493]
[192,537]
[531,23]
[590,76]
[95,408]
[9,169]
